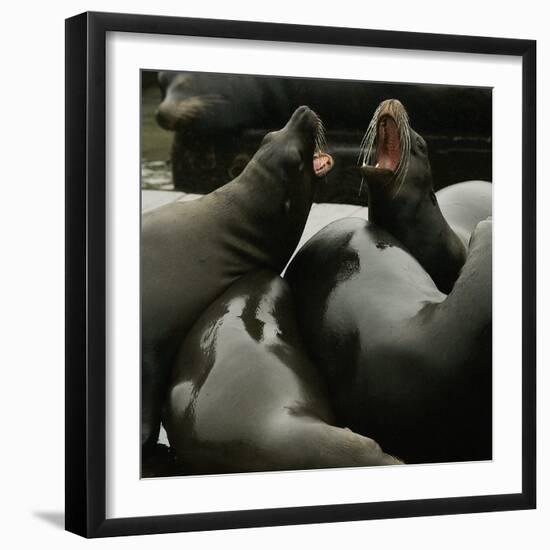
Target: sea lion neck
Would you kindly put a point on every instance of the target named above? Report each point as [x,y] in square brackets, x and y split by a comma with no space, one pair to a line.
[266,214]
[420,226]
[395,164]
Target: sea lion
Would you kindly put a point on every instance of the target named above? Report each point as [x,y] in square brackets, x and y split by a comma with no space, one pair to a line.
[395,164]
[406,364]
[209,113]
[192,251]
[219,119]
[245,397]
[213,103]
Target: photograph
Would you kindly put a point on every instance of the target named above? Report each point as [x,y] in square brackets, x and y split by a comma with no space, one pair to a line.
[316,279]
[275,275]
[302,274]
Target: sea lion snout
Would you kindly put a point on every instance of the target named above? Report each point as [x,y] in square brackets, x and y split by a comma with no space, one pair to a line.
[164,118]
[391,147]
[307,124]
[185,103]
[181,113]
[376,176]
[392,109]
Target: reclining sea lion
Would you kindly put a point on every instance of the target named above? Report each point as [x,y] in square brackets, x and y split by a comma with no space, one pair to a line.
[405,363]
[245,397]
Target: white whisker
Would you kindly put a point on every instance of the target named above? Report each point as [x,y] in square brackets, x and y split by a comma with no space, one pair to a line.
[368,146]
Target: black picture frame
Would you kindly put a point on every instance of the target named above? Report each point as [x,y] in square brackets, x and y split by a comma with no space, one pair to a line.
[86,273]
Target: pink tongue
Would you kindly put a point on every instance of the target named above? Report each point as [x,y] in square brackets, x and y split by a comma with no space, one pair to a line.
[322,163]
[388,148]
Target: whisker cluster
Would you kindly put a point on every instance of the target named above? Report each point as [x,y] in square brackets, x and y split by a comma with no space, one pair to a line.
[367,154]
[320,135]
[192,107]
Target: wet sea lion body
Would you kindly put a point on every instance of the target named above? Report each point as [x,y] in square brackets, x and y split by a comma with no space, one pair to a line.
[464,205]
[405,364]
[397,173]
[245,397]
[191,252]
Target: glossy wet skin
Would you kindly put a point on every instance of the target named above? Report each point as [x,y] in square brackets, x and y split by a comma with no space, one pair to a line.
[464,205]
[405,363]
[245,396]
[401,196]
[191,252]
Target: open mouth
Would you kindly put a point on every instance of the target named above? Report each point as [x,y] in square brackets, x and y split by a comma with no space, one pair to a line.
[322,163]
[388,150]
[386,146]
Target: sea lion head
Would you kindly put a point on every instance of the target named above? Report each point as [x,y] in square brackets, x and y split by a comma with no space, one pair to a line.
[183,102]
[394,161]
[282,176]
[395,165]
[298,149]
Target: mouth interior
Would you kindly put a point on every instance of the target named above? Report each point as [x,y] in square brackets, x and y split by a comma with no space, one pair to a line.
[310,121]
[322,163]
[388,150]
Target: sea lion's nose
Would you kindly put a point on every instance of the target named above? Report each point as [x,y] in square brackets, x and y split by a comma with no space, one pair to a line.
[301,113]
[164,118]
[302,119]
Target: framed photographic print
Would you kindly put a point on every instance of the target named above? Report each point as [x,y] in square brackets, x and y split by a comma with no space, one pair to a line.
[300,274]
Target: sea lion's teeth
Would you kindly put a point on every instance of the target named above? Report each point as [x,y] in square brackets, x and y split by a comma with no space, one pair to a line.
[322,163]
[377,165]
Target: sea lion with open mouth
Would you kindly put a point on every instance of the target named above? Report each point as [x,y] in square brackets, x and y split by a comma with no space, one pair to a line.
[406,364]
[208,114]
[191,252]
[396,168]
[245,397]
